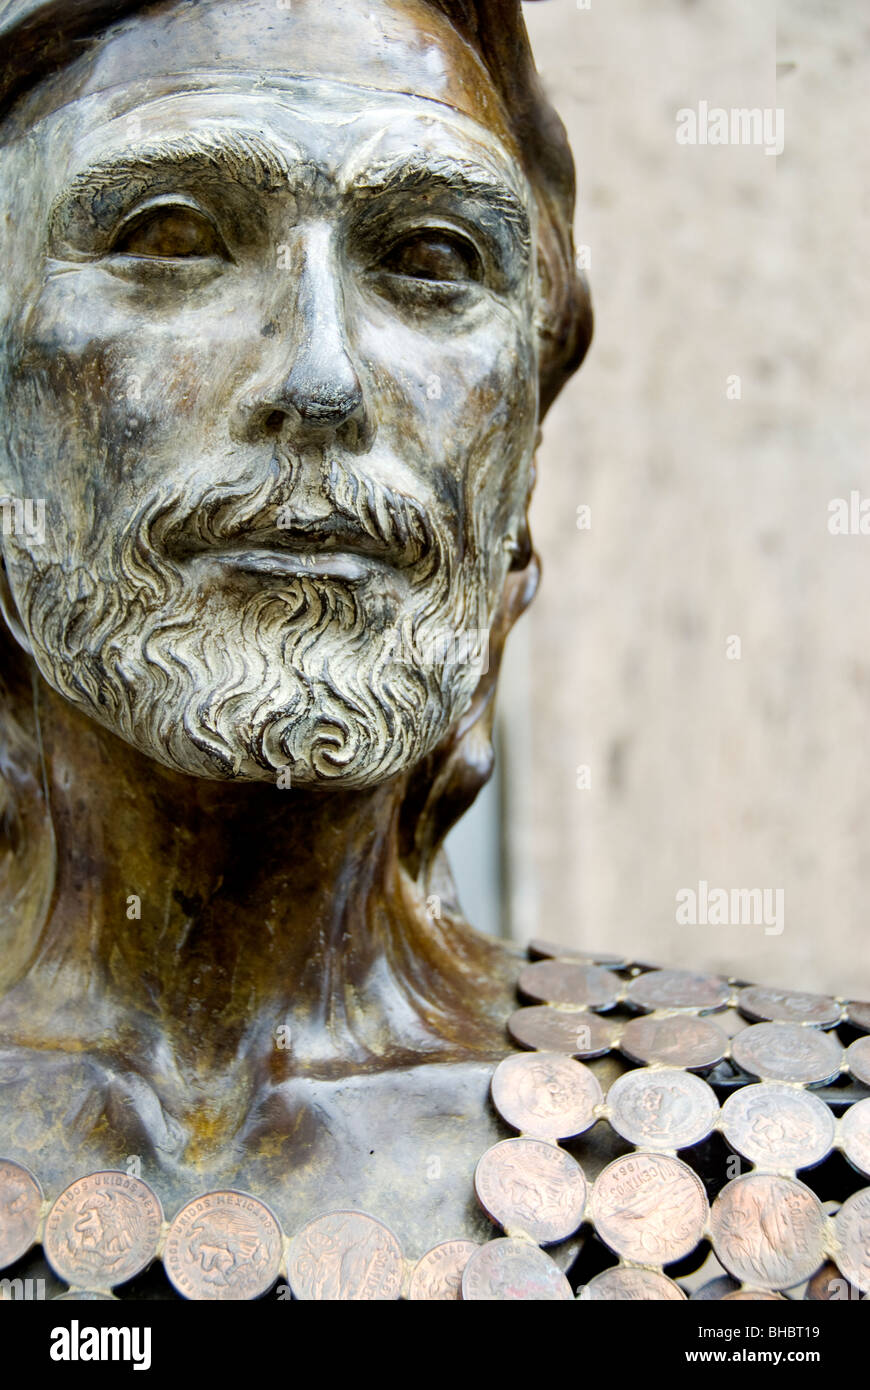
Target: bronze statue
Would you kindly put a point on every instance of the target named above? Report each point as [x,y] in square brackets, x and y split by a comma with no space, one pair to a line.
[290,290]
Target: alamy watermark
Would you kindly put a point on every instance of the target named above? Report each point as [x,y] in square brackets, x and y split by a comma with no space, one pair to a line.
[23,516]
[77,1343]
[22,1290]
[738,125]
[849,516]
[731,907]
[445,647]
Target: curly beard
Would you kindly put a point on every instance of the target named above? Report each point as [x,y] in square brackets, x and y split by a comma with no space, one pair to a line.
[331,682]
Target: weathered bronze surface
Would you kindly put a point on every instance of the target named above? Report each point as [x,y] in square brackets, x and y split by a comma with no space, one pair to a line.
[646,1209]
[288,293]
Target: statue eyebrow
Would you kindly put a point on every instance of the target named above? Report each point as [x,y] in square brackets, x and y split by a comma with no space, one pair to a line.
[466,178]
[238,156]
[247,158]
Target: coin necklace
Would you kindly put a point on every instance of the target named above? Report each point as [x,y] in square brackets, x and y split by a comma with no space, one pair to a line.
[768,1229]
[648,1207]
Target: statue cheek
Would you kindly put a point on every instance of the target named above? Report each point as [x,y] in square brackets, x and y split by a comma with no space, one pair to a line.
[449,389]
[84,405]
[80,395]
[79,352]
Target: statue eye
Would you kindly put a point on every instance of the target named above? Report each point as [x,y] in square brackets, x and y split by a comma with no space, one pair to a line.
[436,255]
[169,233]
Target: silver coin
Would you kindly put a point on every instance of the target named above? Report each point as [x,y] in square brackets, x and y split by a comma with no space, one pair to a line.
[570,982]
[649,1208]
[506,1270]
[678,989]
[103,1230]
[855,1135]
[677,1040]
[629,1285]
[859,1014]
[437,1276]
[788,1006]
[858,1060]
[223,1246]
[852,1238]
[787,1052]
[572,1031]
[530,1187]
[768,1231]
[20,1209]
[546,1095]
[662,1109]
[345,1256]
[778,1128]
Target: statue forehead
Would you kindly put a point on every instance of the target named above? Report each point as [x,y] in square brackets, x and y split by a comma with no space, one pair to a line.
[387,46]
[340,128]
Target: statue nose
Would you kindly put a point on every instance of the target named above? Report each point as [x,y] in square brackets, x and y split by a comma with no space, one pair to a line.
[316,396]
[311,387]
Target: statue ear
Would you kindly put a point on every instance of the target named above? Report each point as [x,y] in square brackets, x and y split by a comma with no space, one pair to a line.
[8,610]
[443,786]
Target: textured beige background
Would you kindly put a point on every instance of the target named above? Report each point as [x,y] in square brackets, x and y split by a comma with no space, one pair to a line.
[709,516]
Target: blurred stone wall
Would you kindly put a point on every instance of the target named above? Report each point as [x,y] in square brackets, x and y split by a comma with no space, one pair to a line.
[745,764]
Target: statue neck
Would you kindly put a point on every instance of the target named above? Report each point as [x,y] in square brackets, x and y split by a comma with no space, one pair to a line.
[208,915]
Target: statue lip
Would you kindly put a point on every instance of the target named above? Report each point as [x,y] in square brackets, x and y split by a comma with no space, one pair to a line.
[286,563]
[329,544]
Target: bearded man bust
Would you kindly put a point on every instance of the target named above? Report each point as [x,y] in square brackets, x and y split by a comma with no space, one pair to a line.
[289,291]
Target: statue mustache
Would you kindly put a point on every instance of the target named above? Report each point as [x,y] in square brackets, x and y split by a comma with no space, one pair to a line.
[353,510]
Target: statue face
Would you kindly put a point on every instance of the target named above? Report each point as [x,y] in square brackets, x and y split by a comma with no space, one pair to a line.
[270,360]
